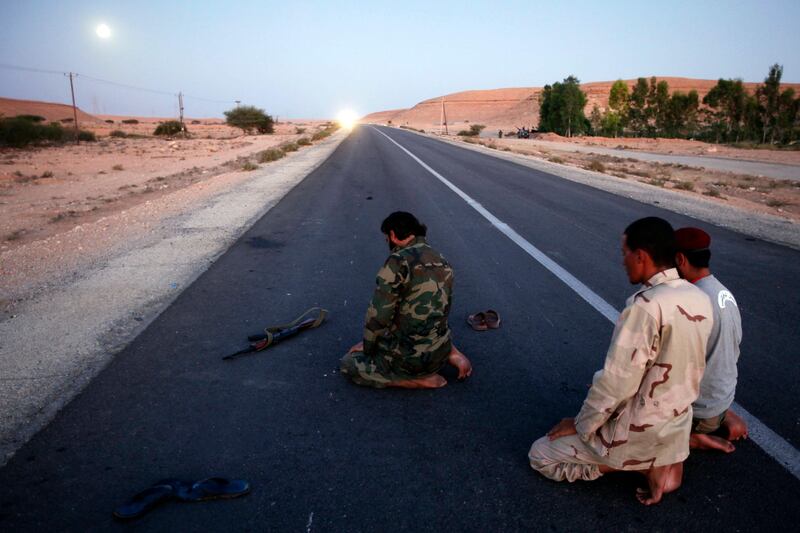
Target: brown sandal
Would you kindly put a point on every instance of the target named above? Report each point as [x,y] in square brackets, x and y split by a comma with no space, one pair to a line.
[492,319]
[478,321]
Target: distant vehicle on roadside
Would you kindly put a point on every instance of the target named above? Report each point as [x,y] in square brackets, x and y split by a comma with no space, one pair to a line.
[523,133]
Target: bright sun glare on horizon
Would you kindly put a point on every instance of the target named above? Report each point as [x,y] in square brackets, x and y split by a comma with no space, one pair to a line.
[103,31]
[347,118]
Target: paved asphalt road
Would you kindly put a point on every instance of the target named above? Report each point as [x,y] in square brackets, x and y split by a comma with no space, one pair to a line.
[324,455]
[771,170]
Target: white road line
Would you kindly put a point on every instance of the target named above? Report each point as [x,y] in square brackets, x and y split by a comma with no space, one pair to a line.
[769,441]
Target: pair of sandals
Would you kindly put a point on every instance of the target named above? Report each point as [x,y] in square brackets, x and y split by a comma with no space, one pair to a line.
[212,488]
[489,319]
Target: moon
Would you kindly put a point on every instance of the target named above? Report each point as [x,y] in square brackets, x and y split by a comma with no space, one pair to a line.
[103,31]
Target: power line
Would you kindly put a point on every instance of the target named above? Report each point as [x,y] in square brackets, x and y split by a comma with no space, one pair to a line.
[28,69]
[124,86]
[114,83]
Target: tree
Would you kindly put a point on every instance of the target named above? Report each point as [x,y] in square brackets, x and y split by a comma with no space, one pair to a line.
[661,105]
[727,100]
[637,107]
[561,108]
[618,103]
[596,120]
[787,115]
[250,118]
[680,117]
[768,97]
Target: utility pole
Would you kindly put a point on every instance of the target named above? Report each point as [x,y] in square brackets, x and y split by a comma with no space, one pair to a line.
[443,119]
[180,110]
[74,108]
[237,102]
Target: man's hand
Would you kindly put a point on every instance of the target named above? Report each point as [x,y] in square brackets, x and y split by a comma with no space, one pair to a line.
[357,348]
[563,429]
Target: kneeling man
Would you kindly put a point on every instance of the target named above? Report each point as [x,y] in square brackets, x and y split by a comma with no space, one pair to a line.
[406,336]
[715,424]
[637,414]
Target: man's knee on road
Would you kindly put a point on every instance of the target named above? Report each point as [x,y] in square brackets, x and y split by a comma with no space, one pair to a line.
[362,371]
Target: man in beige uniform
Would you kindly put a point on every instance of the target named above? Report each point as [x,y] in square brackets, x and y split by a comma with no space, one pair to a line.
[638,412]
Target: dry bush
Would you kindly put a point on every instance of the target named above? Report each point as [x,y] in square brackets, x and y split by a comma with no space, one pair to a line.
[270,154]
[684,185]
[596,166]
[248,166]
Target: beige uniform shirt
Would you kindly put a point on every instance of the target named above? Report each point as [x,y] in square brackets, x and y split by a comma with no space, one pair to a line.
[638,412]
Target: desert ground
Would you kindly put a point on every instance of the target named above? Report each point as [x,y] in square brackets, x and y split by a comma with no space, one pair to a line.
[60,205]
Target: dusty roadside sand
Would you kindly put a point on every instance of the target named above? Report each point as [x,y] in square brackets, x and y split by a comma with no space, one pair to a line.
[756,194]
[85,293]
[63,205]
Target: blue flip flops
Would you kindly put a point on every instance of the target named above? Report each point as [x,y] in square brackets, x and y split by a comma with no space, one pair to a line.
[141,503]
[212,488]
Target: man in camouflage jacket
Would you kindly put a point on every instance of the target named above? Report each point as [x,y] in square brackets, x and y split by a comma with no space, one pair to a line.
[406,336]
[637,414]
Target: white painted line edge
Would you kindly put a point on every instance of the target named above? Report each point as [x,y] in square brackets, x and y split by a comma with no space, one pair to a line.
[773,444]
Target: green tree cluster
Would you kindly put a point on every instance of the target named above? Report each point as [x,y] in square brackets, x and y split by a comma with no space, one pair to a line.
[249,119]
[561,108]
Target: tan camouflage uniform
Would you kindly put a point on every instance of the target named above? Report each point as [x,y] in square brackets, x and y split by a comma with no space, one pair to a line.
[638,411]
[406,334]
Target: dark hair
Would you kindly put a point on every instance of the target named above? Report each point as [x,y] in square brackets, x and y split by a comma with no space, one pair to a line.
[656,237]
[698,258]
[403,224]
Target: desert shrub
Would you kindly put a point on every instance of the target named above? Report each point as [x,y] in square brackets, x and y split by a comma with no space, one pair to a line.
[84,135]
[67,120]
[270,154]
[555,159]
[118,133]
[318,136]
[642,173]
[250,118]
[109,121]
[248,166]
[772,202]
[714,193]
[657,182]
[303,141]
[289,147]
[47,174]
[31,118]
[117,167]
[473,131]
[470,140]
[299,131]
[195,122]
[596,166]
[130,121]
[19,132]
[169,128]
[684,185]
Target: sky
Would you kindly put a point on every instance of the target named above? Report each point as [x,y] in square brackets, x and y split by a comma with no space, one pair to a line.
[302,59]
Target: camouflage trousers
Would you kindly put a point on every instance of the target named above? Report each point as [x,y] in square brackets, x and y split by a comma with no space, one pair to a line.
[377,372]
[565,458]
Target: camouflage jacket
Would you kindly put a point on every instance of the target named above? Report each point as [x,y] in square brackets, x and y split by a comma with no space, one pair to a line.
[407,319]
[638,411]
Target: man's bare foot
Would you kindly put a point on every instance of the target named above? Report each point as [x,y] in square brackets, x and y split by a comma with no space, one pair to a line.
[660,480]
[460,361]
[737,428]
[434,381]
[701,441]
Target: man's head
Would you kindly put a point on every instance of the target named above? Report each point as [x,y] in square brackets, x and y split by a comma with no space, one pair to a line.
[693,253]
[401,228]
[648,247]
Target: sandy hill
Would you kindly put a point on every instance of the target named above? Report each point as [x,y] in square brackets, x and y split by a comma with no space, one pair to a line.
[509,108]
[10,107]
